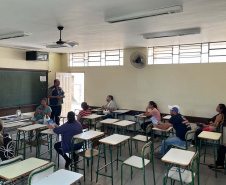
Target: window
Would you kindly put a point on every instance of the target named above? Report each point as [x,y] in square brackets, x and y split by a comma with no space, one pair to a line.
[191,53]
[96,58]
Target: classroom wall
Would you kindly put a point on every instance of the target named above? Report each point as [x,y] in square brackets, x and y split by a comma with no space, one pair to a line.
[196,88]
[14,58]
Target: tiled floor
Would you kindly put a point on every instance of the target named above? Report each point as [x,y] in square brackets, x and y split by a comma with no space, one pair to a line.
[207,176]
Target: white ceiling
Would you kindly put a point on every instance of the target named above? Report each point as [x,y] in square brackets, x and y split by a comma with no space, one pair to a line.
[84,22]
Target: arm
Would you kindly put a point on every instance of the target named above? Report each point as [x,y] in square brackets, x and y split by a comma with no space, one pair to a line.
[36,112]
[104,107]
[111,109]
[79,117]
[163,126]
[218,120]
[148,114]
[60,130]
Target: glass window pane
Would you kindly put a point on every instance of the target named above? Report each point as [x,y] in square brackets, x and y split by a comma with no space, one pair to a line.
[189,60]
[94,63]
[112,63]
[112,58]
[217,59]
[112,52]
[150,51]
[77,64]
[94,59]
[175,59]
[218,52]
[121,61]
[205,58]
[205,48]
[150,60]
[163,61]
[94,54]
[217,45]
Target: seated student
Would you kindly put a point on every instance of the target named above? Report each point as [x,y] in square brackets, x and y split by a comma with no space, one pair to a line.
[180,124]
[85,112]
[153,112]
[6,145]
[220,158]
[68,130]
[211,124]
[41,111]
[109,107]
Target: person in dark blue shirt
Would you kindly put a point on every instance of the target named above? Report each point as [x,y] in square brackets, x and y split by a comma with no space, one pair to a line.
[180,124]
[68,130]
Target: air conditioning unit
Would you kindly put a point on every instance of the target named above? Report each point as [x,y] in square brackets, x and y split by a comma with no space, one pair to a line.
[37,56]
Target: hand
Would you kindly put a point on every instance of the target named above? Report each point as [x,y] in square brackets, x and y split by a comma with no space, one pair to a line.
[63,96]
[55,125]
[154,125]
[225,144]
[50,126]
[58,96]
[41,111]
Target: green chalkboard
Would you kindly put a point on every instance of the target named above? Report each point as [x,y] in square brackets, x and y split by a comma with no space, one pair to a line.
[20,88]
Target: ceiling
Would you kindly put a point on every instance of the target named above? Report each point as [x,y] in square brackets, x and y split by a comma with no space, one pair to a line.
[84,23]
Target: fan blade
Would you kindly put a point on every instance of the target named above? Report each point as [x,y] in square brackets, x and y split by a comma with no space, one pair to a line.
[55,46]
[68,45]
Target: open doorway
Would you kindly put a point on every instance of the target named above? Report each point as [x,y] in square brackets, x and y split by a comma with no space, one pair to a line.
[73,86]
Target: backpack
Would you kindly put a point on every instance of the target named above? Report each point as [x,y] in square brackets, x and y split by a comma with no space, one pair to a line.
[7,149]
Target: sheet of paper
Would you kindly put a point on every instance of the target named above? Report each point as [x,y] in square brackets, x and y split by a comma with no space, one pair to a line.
[42,78]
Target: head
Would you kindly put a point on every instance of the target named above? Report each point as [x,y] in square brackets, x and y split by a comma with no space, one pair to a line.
[57,82]
[1,125]
[44,102]
[71,117]
[109,98]
[84,106]
[152,105]
[174,110]
[221,108]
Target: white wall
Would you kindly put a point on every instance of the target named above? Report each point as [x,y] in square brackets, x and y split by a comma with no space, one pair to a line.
[196,88]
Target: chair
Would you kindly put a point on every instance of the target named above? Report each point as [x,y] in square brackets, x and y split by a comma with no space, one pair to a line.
[189,136]
[92,152]
[41,172]
[140,162]
[187,175]
[142,138]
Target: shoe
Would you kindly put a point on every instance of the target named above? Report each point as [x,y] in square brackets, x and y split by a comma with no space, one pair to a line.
[67,164]
[210,166]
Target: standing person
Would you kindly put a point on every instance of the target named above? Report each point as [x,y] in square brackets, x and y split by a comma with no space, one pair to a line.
[220,158]
[56,95]
[85,112]
[180,124]
[68,130]
[42,111]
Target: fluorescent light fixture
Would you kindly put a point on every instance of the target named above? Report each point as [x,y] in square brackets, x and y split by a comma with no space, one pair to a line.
[14,35]
[139,15]
[172,33]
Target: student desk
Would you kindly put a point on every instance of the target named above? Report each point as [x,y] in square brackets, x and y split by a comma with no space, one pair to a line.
[113,140]
[17,170]
[49,133]
[163,134]
[25,130]
[167,117]
[92,117]
[85,136]
[143,117]
[179,158]
[124,124]
[8,126]
[110,122]
[60,177]
[120,112]
[214,137]
[97,110]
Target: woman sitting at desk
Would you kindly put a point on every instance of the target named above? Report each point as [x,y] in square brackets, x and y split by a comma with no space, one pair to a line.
[85,112]
[151,110]
[42,111]
[211,124]
[68,130]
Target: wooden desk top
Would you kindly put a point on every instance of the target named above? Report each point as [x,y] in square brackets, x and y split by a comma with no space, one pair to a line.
[141,116]
[210,135]
[15,124]
[48,132]
[92,116]
[114,139]
[60,177]
[178,156]
[22,168]
[121,111]
[109,121]
[161,130]
[32,127]
[124,123]
[167,117]
[91,134]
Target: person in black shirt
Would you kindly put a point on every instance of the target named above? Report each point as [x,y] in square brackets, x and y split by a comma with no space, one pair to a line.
[180,124]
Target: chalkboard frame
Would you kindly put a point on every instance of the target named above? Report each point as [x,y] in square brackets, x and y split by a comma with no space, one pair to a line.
[25,108]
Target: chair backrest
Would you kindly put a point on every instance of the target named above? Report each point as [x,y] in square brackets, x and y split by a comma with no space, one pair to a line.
[146,149]
[95,142]
[149,128]
[8,162]
[219,126]
[41,173]
[190,135]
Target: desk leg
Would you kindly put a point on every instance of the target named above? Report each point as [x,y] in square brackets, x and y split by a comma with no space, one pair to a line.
[111,165]
[164,138]
[98,163]
[181,182]
[166,177]
[200,147]
[51,143]
[24,149]
[215,165]
[17,142]
[117,158]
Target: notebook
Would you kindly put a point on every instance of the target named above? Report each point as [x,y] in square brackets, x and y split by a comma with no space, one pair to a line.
[154,120]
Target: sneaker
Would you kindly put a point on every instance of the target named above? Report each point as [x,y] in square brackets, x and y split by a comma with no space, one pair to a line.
[67,164]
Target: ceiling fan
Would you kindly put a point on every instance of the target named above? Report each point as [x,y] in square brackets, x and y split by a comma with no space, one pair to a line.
[60,43]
